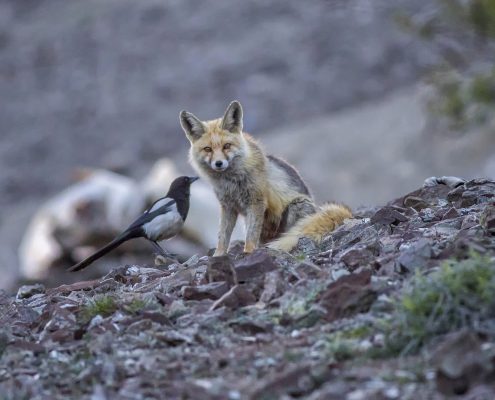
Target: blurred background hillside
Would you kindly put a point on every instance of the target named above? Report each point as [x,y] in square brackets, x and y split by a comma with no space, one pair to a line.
[366,97]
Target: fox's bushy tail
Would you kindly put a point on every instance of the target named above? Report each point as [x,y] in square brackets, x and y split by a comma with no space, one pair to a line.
[314,226]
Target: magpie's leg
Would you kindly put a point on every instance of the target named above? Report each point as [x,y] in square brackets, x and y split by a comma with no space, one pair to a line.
[163,252]
[159,249]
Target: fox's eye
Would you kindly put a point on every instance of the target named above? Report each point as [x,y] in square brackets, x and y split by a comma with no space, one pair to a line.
[207,149]
[226,146]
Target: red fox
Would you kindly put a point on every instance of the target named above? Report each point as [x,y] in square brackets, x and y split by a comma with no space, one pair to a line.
[266,190]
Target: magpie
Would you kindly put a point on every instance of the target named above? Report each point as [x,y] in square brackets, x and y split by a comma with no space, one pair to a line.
[163,220]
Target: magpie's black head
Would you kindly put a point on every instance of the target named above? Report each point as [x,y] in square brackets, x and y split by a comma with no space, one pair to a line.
[180,187]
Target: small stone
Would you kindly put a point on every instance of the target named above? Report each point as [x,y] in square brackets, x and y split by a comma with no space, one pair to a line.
[451,213]
[221,269]
[428,215]
[450,181]
[338,273]
[461,363]
[388,216]
[415,202]
[306,270]
[415,255]
[487,219]
[236,248]
[469,221]
[236,297]
[307,246]
[176,309]
[192,261]
[273,286]
[249,326]
[357,257]
[162,261]
[357,394]
[27,291]
[311,317]
[253,265]
[212,290]
[392,392]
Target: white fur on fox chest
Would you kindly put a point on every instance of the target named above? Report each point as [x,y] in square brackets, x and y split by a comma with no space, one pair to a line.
[164,226]
[238,192]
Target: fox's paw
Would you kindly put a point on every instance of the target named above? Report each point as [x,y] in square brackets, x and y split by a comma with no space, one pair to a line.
[249,247]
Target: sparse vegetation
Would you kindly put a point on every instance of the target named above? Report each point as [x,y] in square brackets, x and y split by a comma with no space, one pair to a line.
[103,305]
[296,341]
[463,34]
[299,308]
[136,305]
[349,343]
[458,295]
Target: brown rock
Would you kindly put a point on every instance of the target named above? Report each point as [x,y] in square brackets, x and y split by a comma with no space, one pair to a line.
[461,363]
[36,348]
[415,255]
[487,219]
[212,290]
[428,194]
[388,216]
[236,297]
[469,221]
[221,269]
[236,248]
[415,202]
[349,295]
[307,270]
[295,380]
[253,265]
[273,286]
[356,257]
[451,213]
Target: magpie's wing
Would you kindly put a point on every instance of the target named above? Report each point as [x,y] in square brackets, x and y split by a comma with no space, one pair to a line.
[162,201]
[159,207]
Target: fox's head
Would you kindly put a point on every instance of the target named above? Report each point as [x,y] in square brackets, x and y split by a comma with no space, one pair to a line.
[215,144]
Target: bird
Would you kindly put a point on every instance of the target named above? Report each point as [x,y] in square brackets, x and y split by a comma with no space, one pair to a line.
[162,220]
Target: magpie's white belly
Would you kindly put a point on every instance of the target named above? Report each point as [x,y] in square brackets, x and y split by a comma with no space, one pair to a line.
[164,226]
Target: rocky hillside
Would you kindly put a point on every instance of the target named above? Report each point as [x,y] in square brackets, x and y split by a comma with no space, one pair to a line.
[395,304]
[101,83]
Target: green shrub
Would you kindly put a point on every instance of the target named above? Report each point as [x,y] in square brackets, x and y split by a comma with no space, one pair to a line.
[460,294]
[103,305]
[469,28]
[136,305]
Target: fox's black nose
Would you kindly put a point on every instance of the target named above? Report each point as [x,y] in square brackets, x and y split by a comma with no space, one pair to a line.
[219,164]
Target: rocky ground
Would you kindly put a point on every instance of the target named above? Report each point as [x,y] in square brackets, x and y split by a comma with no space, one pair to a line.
[395,304]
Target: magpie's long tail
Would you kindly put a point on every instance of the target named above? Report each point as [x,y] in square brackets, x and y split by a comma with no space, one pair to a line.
[123,237]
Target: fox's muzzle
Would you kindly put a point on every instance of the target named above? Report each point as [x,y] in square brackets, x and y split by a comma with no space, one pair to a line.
[219,165]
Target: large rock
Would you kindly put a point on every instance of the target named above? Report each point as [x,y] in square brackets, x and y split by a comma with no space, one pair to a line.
[258,263]
[461,363]
[237,296]
[348,295]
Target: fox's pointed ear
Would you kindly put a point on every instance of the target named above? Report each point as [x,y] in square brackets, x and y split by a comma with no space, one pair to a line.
[232,119]
[192,126]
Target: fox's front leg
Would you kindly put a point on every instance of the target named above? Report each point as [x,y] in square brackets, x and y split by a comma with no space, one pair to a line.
[228,218]
[254,224]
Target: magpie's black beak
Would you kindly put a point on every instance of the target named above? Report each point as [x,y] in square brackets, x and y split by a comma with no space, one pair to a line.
[193,179]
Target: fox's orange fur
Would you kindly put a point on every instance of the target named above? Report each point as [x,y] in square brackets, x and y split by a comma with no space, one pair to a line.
[266,190]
